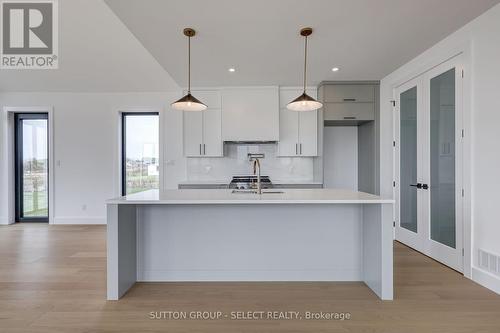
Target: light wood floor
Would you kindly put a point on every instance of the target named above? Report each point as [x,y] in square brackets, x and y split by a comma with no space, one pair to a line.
[53,279]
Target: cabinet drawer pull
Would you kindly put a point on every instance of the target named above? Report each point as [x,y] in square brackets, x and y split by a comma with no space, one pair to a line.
[349,117]
[349,99]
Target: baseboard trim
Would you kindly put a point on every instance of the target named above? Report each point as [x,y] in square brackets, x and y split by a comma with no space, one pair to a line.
[79,220]
[4,220]
[248,275]
[486,279]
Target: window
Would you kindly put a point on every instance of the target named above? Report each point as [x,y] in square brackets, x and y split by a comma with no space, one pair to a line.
[31,167]
[140,152]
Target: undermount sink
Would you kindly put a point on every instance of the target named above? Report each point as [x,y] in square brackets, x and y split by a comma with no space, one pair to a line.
[255,192]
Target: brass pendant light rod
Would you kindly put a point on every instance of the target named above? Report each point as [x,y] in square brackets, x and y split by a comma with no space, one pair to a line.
[305,32]
[189,33]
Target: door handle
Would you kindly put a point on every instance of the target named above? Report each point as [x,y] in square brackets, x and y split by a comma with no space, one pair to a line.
[417,185]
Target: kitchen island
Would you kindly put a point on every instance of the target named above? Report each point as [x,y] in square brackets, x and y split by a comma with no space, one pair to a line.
[217,235]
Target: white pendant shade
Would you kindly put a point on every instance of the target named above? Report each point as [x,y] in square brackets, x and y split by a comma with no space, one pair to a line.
[188,103]
[304,103]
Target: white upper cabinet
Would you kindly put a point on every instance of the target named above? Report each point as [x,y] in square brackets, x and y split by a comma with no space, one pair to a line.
[298,129]
[193,133]
[346,104]
[202,129]
[340,93]
[250,114]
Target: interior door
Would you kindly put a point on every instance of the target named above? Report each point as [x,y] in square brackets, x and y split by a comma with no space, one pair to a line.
[408,168]
[442,201]
[428,157]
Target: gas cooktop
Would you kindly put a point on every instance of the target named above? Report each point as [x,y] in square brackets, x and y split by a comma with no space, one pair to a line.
[249,182]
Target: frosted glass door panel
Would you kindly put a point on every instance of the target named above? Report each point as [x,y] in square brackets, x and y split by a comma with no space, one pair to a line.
[408,164]
[442,158]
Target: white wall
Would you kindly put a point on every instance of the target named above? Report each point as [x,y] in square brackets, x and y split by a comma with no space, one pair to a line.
[480,40]
[86,145]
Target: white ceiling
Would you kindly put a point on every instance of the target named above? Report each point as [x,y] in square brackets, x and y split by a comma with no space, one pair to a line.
[97,53]
[367,39]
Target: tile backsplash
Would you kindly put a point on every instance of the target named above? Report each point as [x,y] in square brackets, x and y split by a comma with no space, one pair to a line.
[235,162]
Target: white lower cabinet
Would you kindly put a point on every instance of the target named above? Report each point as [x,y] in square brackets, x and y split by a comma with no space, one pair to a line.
[202,129]
[298,129]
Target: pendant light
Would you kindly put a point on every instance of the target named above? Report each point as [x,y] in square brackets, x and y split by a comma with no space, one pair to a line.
[189,102]
[304,102]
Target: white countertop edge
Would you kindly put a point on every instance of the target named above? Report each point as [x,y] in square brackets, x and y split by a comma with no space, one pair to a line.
[226,197]
[244,202]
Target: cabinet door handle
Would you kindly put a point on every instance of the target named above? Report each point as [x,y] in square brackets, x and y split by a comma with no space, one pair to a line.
[296,149]
[200,148]
[349,117]
[204,149]
[349,99]
[300,148]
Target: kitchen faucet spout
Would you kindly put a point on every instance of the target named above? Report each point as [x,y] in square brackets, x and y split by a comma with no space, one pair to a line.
[256,169]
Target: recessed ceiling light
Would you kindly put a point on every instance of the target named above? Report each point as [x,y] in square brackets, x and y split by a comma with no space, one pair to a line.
[335,69]
[232,70]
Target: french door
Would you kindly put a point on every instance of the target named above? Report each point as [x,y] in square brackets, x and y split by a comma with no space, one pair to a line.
[428,158]
[31,167]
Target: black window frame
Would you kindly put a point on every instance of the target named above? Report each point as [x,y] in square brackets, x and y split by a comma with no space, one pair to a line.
[18,164]
[123,144]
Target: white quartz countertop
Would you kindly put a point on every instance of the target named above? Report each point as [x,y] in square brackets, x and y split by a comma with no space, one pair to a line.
[224,196]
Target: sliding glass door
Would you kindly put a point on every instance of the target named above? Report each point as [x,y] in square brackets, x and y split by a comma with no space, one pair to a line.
[428,155]
[31,167]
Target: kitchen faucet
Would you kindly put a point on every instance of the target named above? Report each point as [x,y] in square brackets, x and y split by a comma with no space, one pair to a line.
[256,169]
[256,164]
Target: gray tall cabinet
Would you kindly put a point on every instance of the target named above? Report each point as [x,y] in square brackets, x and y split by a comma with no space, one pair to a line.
[356,103]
